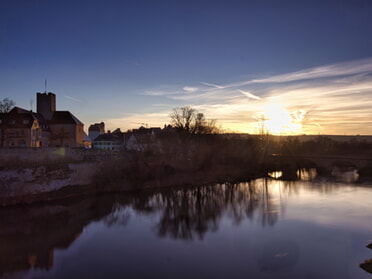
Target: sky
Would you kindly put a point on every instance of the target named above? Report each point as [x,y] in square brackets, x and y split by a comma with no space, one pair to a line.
[292,67]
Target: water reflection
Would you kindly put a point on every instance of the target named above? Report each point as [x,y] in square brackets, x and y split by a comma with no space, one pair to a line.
[346,175]
[307,174]
[29,235]
[279,254]
[275,174]
[191,212]
[119,215]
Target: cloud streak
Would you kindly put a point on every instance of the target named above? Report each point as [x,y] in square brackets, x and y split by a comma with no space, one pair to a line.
[249,95]
[73,99]
[212,85]
[357,67]
[333,99]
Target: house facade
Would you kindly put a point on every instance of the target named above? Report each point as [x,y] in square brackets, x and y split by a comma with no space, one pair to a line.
[141,139]
[66,130]
[108,141]
[22,128]
[45,128]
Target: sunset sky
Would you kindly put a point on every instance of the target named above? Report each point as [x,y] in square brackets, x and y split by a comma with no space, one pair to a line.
[300,66]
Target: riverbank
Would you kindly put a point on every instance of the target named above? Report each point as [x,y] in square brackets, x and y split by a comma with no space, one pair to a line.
[108,177]
[31,175]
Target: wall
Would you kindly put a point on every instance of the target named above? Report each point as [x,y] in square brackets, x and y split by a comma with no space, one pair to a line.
[79,135]
[17,157]
[32,174]
[63,135]
[42,179]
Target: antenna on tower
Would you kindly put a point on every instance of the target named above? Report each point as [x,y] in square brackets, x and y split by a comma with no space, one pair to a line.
[46,83]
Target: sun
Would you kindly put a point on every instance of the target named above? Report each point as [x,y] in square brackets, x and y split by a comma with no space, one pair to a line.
[277,120]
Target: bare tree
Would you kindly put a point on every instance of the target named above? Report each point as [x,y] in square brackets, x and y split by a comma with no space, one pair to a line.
[200,123]
[204,126]
[190,121]
[182,118]
[261,121]
[6,105]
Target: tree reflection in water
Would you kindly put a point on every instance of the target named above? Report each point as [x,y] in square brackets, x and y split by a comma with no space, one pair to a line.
[118,216]
[190,212]
[30,234]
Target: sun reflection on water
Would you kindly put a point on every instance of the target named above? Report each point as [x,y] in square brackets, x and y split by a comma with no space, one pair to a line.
[275,174]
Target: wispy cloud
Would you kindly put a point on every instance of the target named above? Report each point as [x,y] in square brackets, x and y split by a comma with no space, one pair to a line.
[73,99]
[156,93]
[357,67]
[333,98]
[212,85]
[190,89]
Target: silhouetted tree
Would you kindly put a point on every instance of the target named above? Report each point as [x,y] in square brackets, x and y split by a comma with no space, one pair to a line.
[182,118]
[188,120]
[6,105]
[204,126]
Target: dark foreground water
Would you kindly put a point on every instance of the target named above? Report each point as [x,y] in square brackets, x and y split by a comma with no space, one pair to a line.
[261,229]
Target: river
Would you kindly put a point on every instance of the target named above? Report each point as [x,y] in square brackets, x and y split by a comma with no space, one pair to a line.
[265,228]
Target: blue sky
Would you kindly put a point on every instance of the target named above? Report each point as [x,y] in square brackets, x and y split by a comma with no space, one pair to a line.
[303,66]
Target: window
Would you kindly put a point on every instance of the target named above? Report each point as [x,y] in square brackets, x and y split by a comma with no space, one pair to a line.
[25,121]
[11,121]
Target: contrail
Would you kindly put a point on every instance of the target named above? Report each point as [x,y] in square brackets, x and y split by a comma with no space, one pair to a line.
[249,95]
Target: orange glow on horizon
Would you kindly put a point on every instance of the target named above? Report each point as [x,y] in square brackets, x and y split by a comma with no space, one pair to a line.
[277,120]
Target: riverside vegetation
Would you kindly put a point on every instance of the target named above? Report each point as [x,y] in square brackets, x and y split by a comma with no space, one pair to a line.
[180,158]
[199,153]
[194,152]
[214,158]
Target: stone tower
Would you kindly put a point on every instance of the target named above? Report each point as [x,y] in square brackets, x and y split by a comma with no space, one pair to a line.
[46,104]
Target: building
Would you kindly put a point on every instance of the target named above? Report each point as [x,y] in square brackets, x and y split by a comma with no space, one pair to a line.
[65,129]
[95,130]
[108,141]
[141,139]
[23,128]
[44,128]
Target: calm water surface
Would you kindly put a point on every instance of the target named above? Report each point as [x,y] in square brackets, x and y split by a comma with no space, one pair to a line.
[265,228]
